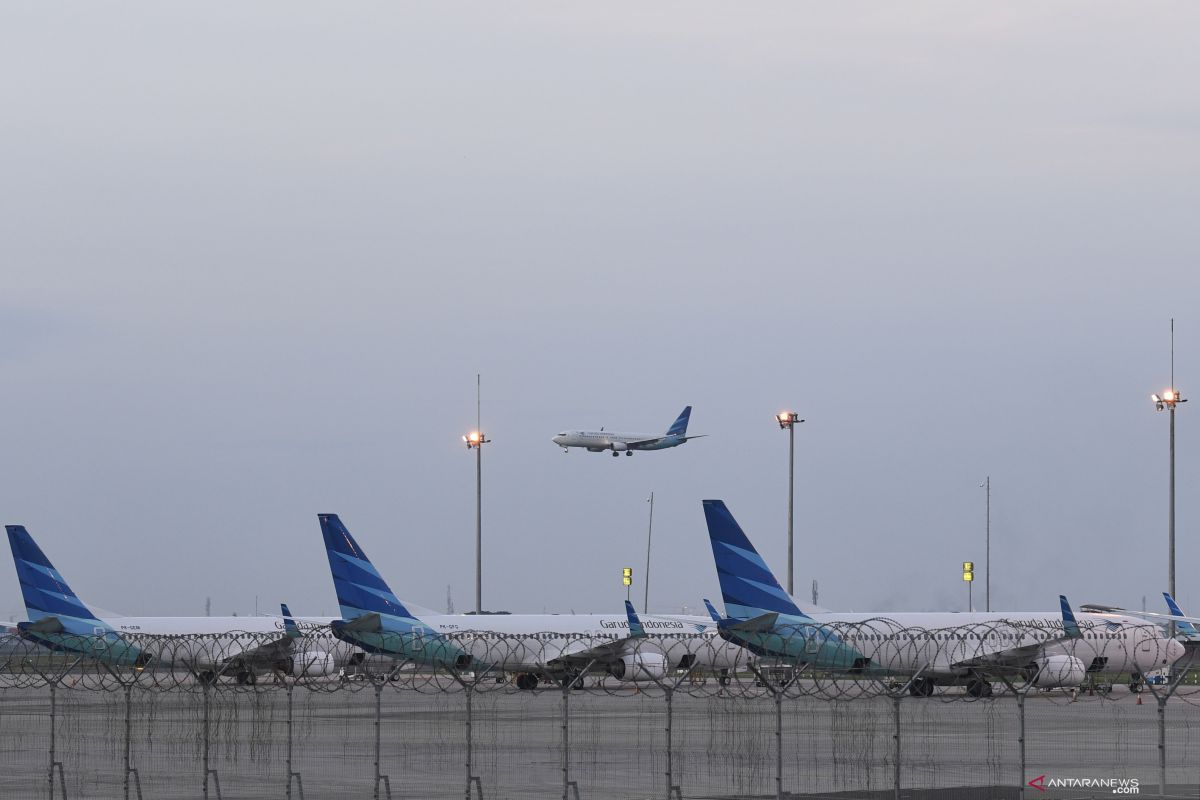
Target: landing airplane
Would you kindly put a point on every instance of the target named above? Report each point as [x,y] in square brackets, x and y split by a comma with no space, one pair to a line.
[933,648]
[533,646]
[627,443]
[60,621]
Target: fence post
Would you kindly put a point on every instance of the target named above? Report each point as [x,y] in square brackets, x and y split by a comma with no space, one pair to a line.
[205,688]
[128,733]
[670,706]
[566,739]
[379,776]
[779,743]
[1021,740]
[53,733]
[469,689]
[291,773]
[1162,745]
[896,737]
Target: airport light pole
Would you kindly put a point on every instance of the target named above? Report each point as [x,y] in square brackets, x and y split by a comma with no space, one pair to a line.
[987,543]
[475,441]
[1168,400]
[649,533]
[787,421]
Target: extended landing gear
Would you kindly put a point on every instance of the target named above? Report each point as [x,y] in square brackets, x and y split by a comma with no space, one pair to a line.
[922,687]
[246,678]
[1137,682]
[527,682]
[979,688]
[628,452]
[207,678]
[615,454]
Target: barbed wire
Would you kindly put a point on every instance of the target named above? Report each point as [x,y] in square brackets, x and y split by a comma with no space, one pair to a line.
[836,661]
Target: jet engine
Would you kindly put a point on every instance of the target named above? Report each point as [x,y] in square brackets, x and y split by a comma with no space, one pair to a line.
[620,447]
[639,667]
[1054,671]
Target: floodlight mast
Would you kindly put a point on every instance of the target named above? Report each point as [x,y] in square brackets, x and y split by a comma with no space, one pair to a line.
[787,421]
[1168,400]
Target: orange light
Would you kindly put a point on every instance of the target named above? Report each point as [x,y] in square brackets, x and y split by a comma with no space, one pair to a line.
[1168,396]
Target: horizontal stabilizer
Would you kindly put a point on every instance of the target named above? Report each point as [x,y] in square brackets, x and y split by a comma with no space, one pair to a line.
[43,625]
[761,624]
[367,623]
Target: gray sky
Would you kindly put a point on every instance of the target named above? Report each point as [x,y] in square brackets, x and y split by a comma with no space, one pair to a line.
[253,256]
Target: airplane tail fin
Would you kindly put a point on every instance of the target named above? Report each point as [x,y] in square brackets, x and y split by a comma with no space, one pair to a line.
[1186,628]
[636,631]
[290,628]
[45,591]
[679,426]
[748,587]
[359,586]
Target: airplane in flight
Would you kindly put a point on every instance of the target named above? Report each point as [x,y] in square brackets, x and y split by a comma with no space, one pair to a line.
[627,443]
[534,647]
[251,646]
[932,648]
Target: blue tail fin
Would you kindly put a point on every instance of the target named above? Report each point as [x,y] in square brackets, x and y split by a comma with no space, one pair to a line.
[636,631]
[46,593]
[289,625]
[1070,626]
[359,586]
[712,612]
[679,426]
[1184,627]
[747,585]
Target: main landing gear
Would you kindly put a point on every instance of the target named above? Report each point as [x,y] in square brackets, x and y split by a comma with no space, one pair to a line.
[527,682]
[921,687]
[978,688]
[627,452]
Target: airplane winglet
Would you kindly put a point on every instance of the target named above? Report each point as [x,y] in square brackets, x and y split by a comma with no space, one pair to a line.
[289,625]
[1186,628]
[1070,626]
[636,631]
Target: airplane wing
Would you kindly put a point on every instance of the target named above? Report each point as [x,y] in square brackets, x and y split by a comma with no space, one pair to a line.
[264,656]
[271,653]
[581,654]
[1018,657]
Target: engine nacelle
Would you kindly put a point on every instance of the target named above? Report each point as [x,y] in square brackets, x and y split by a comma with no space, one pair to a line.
[620,447]
[311,664]
[1055,671]
[639,667]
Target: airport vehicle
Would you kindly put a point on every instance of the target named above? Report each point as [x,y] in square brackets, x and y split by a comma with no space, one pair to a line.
[627,443]
[930,648]
[532,646]
[246,648]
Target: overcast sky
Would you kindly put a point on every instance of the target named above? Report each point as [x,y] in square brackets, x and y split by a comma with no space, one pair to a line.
[253,255]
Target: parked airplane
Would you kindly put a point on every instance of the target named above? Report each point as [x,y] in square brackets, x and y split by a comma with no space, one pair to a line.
[931,648]
[601,440]
[250,646]
[534,646]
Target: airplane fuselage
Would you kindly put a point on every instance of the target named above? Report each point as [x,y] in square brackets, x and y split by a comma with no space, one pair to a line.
[951,645]
[599,441]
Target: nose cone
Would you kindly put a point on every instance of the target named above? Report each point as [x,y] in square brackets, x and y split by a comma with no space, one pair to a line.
[1175,651]
[558,439]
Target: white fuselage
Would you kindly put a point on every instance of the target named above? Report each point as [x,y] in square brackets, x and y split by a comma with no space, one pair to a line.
[935,642]
[208,643]
[599,441]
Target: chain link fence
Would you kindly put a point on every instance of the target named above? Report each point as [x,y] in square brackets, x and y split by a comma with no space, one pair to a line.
[192,719]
